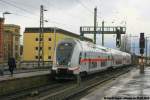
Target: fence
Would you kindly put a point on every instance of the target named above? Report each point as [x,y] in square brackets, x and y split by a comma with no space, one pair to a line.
[28,65]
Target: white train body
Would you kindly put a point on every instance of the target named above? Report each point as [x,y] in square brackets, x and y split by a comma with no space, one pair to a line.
[73,57]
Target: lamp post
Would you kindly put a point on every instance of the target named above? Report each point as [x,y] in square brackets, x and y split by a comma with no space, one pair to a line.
[6,46]
[6,12]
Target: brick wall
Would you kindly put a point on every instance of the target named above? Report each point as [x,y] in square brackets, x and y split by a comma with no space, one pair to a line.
[1,39]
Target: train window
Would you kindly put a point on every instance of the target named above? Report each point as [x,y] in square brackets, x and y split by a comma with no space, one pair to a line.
[103,64]
[64,53]
[92,65]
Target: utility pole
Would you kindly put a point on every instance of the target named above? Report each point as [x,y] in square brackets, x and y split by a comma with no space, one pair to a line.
[146,41]
[133,48]
[41,38]
[95,20]
[102,33]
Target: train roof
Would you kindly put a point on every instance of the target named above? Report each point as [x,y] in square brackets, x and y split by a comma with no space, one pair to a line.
[88,46]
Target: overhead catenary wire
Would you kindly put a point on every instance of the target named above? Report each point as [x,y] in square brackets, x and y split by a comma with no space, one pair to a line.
[85,7]
[37,16]
[11,4]
[30,6]
[88,9]
[75,17]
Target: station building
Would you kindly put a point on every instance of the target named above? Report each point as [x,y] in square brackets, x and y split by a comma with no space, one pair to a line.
[52,36]
[11,41]
[1,39]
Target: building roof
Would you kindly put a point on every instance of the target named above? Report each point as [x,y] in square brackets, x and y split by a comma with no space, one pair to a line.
[11,25]
[52,29]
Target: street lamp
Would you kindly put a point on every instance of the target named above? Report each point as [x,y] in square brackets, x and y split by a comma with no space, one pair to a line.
[6,12]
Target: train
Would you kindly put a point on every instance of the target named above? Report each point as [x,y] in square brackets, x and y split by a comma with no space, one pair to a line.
[75,57]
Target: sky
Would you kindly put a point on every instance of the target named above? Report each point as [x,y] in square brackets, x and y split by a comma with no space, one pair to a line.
[71,14]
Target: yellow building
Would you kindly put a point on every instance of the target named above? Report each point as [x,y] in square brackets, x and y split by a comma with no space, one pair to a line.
[31,42]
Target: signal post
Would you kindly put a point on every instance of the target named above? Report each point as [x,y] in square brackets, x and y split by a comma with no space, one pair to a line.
[142,46]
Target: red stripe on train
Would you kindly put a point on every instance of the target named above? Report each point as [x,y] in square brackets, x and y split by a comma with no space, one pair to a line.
[95,60]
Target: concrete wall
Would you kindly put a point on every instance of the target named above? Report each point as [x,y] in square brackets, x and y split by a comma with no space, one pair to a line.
[14,85]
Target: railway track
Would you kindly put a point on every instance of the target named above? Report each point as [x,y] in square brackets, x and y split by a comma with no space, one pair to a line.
[75,90]
[68,90]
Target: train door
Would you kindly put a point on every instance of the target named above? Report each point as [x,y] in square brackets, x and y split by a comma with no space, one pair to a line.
[104,61]
[92,62]
[83,61]
[84,64]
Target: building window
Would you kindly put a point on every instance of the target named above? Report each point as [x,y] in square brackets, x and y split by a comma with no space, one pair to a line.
[40,57]
[49,57]
[16,38]
[16,55]
[36,48]
[16,47]
[36,39]
[16,30]
[49,39]
[36,57]
[49,48]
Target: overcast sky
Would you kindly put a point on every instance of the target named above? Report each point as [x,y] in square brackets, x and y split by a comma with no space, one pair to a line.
[71,14]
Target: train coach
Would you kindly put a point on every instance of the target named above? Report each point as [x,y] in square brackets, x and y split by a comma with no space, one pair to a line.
[73,56]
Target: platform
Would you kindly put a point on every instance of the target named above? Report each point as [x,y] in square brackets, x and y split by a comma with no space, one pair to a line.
[20,81]
[131,86]
[22,75]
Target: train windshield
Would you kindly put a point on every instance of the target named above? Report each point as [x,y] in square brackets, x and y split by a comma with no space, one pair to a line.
[64,53]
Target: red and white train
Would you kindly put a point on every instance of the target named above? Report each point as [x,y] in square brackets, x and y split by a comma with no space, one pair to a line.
[74,57]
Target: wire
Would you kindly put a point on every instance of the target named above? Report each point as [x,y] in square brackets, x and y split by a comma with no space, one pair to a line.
[70,14]
[85,7]
[23,4]
[25,10]
[11,4]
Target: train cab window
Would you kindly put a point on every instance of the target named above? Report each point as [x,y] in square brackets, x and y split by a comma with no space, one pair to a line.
[64,52]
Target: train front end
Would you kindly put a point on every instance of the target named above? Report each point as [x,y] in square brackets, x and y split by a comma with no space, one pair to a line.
[63,67]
